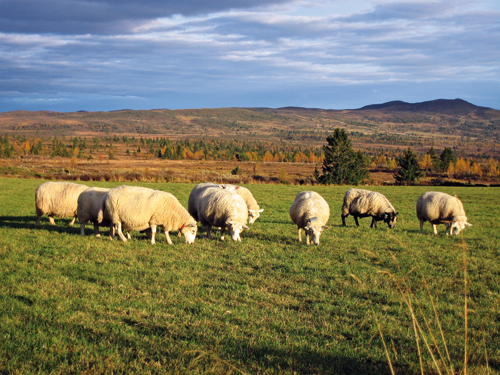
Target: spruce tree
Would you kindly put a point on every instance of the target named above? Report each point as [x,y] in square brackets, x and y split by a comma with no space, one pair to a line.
[409,169]
[447,157]
[342,165]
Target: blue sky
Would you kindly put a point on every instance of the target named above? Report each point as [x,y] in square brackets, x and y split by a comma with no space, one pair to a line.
[70,55]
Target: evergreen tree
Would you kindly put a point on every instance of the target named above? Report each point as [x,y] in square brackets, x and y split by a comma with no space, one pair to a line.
[409,169]
[342,165]
[447,157]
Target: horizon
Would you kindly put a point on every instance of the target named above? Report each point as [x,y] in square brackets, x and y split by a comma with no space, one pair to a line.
[284,107]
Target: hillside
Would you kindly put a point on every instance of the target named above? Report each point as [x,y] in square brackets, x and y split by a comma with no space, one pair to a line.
[469,129]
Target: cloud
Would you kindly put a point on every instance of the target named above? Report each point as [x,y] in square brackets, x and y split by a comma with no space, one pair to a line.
[230,53]
[103,17]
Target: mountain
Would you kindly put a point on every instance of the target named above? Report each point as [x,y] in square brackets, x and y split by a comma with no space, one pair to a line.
[444,106]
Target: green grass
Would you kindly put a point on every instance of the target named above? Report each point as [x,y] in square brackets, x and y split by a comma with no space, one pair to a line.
[267,305]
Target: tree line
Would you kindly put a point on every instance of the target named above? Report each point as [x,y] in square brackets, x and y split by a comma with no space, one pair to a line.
[343,165]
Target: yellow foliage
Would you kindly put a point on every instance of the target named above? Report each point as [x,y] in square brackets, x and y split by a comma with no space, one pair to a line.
[462,167]
[426,162]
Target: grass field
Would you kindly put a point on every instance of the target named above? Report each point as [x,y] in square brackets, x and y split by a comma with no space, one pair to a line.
[267,305]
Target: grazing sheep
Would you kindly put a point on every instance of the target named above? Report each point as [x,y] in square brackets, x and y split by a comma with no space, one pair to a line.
[364,203]
[91,208]
[310,212]
[222,208]
[253,208]
[441,208]
[139,208]
[59,199]
[196,193]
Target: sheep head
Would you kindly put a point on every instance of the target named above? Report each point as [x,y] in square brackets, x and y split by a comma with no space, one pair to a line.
[235,229]
[253,215]
[314,230]
[390,218]
[457,225]
[189,232]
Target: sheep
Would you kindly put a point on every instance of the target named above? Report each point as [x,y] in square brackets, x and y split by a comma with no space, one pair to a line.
[253,208]
[198,190]
[222,208]
[58,199]
[91,208]
[441,208]
[139,208]
[363,203]
[310,211]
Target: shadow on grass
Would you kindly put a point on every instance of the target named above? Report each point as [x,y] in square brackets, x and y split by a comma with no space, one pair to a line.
[28,222]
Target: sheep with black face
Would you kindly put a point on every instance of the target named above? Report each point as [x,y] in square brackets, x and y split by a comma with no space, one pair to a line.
[364,203]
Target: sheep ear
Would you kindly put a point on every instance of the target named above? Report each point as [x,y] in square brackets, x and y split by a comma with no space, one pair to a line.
[261,210]
[237,187]
[468,224]
[324,228]
[306,228]
[229,222]
[386,215]
[397,213]
[245,227]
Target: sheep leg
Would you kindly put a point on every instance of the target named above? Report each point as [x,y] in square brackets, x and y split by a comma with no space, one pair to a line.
[51,220]
[421,227]
[38,219]
[343,219]
[153,232]
[356,220]
[222,229]
[300,234]
[96,230]
[209,231]
[111,231]
[73,221]
[374,223]
[448,226]
[307,238]
[82,229]
[169,241]
[118,227]
[434,227]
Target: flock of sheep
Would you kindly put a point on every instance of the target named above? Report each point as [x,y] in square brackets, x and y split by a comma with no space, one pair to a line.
[231,207]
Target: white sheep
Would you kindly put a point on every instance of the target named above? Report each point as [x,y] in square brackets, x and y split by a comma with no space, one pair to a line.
[364,203]
[310,212]
[222,208]
[57,199]
[441,208]
[139,208]
[198,190]
[253,208]
[91,208]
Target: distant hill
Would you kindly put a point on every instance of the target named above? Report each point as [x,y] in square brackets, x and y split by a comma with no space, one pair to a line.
[445,106]
[396,124]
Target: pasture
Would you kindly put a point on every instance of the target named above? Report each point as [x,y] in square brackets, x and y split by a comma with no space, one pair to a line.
[267,305]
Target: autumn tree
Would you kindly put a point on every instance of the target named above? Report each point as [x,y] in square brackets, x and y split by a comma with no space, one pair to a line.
[426,162]
[342,165]
[434,157]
